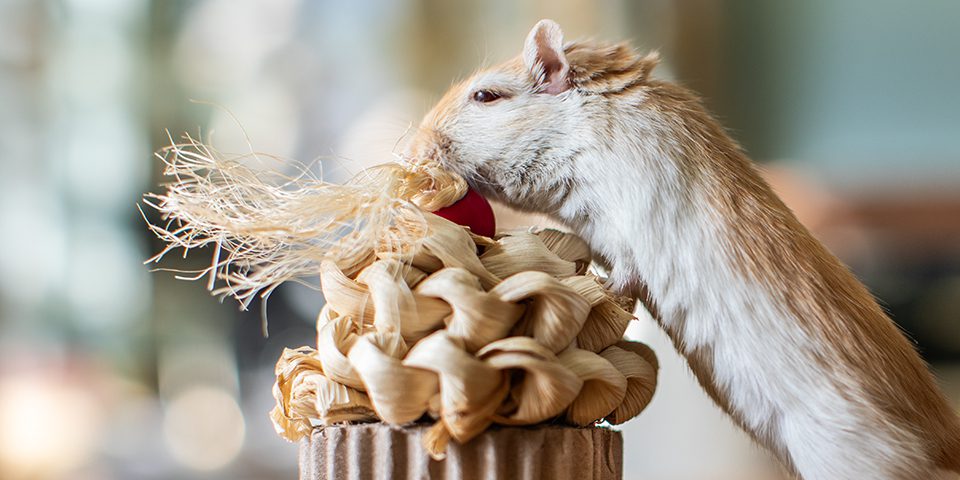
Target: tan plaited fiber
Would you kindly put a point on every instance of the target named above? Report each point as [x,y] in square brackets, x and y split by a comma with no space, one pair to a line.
[432,331]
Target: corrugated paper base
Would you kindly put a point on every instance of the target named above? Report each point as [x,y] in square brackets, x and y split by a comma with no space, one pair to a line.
[379,451]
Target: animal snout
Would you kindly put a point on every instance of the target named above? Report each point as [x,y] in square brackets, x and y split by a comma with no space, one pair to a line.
[427,146]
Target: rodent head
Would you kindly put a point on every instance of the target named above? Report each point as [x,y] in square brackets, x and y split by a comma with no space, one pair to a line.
[515,130]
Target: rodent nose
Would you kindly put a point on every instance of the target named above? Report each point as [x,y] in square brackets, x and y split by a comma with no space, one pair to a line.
[427,145]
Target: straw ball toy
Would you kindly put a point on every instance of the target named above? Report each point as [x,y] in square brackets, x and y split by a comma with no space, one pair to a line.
[430,315]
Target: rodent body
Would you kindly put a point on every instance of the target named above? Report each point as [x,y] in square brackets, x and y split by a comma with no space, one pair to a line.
[779,333]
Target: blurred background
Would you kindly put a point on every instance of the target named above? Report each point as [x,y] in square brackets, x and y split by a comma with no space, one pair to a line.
[108,371]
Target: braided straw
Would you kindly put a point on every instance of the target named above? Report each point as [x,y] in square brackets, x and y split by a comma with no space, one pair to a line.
[422,317]
[469,331]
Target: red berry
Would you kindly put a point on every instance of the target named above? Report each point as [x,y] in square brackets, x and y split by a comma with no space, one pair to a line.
[472,211]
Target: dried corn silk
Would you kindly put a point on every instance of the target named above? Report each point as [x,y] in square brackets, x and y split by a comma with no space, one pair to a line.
[267,228]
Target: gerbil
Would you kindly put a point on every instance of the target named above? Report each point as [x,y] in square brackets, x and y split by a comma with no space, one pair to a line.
[779,333]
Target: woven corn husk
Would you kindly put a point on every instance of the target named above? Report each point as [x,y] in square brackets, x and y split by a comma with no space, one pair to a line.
[525,347]
[604,386]
[639,366]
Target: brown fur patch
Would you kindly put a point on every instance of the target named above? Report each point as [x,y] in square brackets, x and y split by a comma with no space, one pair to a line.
[606,68]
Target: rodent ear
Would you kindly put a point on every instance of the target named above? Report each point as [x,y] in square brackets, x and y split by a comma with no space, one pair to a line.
[544,58]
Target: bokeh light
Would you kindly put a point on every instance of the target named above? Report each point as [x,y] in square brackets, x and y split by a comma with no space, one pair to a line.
[204,428]
[48,426]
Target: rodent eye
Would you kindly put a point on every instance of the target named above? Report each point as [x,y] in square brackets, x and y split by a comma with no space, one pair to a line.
[485,96]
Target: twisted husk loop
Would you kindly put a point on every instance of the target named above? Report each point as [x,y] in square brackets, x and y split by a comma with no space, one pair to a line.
[423,318]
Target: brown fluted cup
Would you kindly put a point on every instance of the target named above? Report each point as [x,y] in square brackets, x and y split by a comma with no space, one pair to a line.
[378,451]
